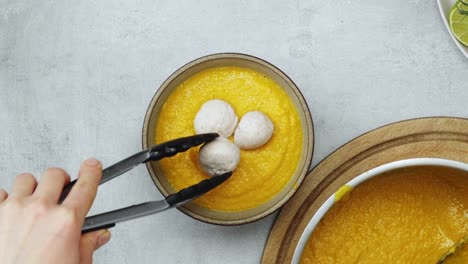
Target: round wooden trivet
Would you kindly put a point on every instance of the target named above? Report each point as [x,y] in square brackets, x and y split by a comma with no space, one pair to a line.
[436,137]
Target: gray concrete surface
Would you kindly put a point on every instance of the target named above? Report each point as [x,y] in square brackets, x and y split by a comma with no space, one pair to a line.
[76,78]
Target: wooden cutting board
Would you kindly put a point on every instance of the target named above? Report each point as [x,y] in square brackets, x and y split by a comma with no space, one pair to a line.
[438,137]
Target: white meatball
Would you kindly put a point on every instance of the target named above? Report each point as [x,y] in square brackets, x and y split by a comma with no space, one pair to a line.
[254,130]
[216,116]
[219,156]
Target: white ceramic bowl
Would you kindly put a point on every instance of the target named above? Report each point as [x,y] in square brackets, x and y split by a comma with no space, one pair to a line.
[364,177]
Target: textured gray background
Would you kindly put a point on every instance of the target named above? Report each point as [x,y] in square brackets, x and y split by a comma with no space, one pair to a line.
[76,78]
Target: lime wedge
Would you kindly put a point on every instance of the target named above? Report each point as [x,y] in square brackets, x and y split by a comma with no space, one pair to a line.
[464,2]
[459,23]
[462,7]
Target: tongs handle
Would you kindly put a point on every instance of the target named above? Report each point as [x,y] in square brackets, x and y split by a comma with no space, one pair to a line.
[109,219]
[164,150]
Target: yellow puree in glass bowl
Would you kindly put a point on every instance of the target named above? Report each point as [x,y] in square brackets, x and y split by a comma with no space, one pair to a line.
[262,172]
[412,215]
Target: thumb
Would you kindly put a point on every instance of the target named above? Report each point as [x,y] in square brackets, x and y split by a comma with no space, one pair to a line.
[90,242]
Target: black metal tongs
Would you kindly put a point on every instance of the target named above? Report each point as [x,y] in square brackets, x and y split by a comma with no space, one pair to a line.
[167,149]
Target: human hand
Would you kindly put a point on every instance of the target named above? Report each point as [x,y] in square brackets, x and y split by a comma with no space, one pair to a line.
[35,229]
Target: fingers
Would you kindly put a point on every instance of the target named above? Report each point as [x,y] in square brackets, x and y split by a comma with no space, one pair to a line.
[3,195]
[82,195]
[51,184]
[24,185]
[90,242]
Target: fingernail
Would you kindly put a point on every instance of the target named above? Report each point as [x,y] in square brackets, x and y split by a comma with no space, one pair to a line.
[103,238]
[92,162]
